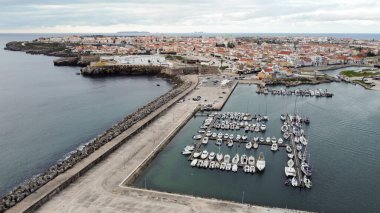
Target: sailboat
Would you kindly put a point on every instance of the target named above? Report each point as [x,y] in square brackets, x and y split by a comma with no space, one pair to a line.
[260,163]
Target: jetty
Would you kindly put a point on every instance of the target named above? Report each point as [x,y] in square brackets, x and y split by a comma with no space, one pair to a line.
[318,93]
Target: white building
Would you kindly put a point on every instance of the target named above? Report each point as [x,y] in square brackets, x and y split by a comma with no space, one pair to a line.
[137,59]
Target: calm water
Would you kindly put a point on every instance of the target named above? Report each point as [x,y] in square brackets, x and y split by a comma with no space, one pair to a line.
[47,111]
[344,147]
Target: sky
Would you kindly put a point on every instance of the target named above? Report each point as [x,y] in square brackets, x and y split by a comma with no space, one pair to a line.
[211,16]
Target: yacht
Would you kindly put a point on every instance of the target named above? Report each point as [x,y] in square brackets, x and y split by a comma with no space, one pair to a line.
[290,171]
[274,147]
[284,128]
[194,162]
[263,127]
[219,156]
[238,137]
[214,135]
[211,156]
[226,158]
[204,154]
[296,139]
[305,168]
[282,117]
[299,147]
[205,140]
[307,182]
[222,166]
[288,148]
[217,165]
[197,154]
[228,167]
[243,159]
[231,137]
[260,162]
[262,140]
[248,145]
[244,137]
[251,160]
[294,182]
[246,169]
[267,140]
[274,139]
[186,152]
[252,169]
[230,143]
[235,159]
[205,163]
[303,140]
[197,137]
[208,133]
[255,139]
[212,165]
[234,167]
[255,145]
[286,135]
[219,142]
[290,163]
[200,163]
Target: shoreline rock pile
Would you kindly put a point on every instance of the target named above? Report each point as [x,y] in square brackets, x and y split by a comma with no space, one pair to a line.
[34,183]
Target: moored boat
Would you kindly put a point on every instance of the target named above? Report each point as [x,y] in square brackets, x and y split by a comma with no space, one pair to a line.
[260,162]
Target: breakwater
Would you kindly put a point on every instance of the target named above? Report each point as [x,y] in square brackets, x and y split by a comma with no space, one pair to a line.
[291,82]
[33,184]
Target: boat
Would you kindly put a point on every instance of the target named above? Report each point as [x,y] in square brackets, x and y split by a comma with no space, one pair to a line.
[280,141]
[208,133]
[194,162]
[205,140]
[243,159]
[303,140]
[244,137]
[288,182]
[290,156]
[248,145]
[263,127]
[219,142]
[274,147]
[246,128]
[255,139]
[305,168]
[255,145]
[211,165]
[235,159]
[274,140]
[220,135]
[214,135]
[290,163]
[211,156]
[246,169]
[286,135]
[231,137]
[222,166]
[267,140]
[197,154]
[260,162]
[251,160]
[217,165]
[200,163]
[288,148]
[201,131]
[296,139]
[197,137]
[186,152]
[307,182]
[228,167]
[238,137]
[257,128]
[252,169]
[294,182]
[299,147]
[262,140]
[290,171]
[234,167]
[205,163]
[284,128]
[219,157]
[204,154]
[299,155]
[230,143]
[226,158]
[282,117]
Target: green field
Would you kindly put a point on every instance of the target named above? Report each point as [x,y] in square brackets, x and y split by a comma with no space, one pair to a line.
[351,73]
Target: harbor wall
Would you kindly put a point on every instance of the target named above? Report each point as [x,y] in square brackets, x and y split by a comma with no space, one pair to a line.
[121,70]
[39,189]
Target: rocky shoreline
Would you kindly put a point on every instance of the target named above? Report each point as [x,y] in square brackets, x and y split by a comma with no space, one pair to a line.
[121,70]
[35,48]
[34,183]
[291,82]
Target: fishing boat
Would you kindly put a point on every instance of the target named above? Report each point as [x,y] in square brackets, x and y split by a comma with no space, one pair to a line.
[307,182]
[263,127]
[204,154]
[251,160]
[235,159]
[288,148]
[282,117]
[205,140]
[248,145]
[255,145]
[234,167]
[197,154]
[290,163]
[243,159]
[194,162]
[211,156]
[228,167]
[226,158]
[230,143]
[267,140]
[290,171]
[280,141]
[274,147]
[219,157]
[197,137]
[274,140]
[294,182]
[260,162]
[246,169]
[218,142]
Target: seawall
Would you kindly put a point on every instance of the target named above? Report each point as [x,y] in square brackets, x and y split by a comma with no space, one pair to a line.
[121,70]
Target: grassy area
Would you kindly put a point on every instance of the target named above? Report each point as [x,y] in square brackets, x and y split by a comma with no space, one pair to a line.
[351,73]
[52,47]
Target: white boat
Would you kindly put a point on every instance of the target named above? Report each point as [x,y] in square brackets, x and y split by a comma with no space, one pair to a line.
[208,133]
[211,156]
[230,143]
[200,163]
[226,158]
[246,168]
[255,145]
[296,139]
[194,162]
[244,137]
[294,182]
[305,168]
[286,135]
[299,147]
[307,182]
[197,154]
[219,157]
[274,147]
[197,137]
[251,160]
[238,137]
[274,140]
[290,163]
[252,169]
[228,167]
[260,162]
[288,148]
[204,154]
[282,117]
[290,172]
[220,135]
[290,156]
[186,152]
[243,159]
[255,139]
[262,140]
[235,159]
[214,135]
[226,136]
[189,148]
[263,127]
[219,142]
[257,128]
[231,136]
[234,168]
[217,165]
[299,155]
[205,140]
[267,140]
[248,145]
[222,166]
[303,140]
[265,118]
[280,141]
[205,163]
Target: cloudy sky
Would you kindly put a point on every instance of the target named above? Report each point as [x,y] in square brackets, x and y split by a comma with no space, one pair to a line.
[256,16]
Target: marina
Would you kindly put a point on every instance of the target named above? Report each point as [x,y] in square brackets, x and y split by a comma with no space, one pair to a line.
[318,93]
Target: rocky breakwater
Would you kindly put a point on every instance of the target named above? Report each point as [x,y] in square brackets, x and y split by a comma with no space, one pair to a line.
[296,81]
[121,70]
[33,184]
[81,61]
